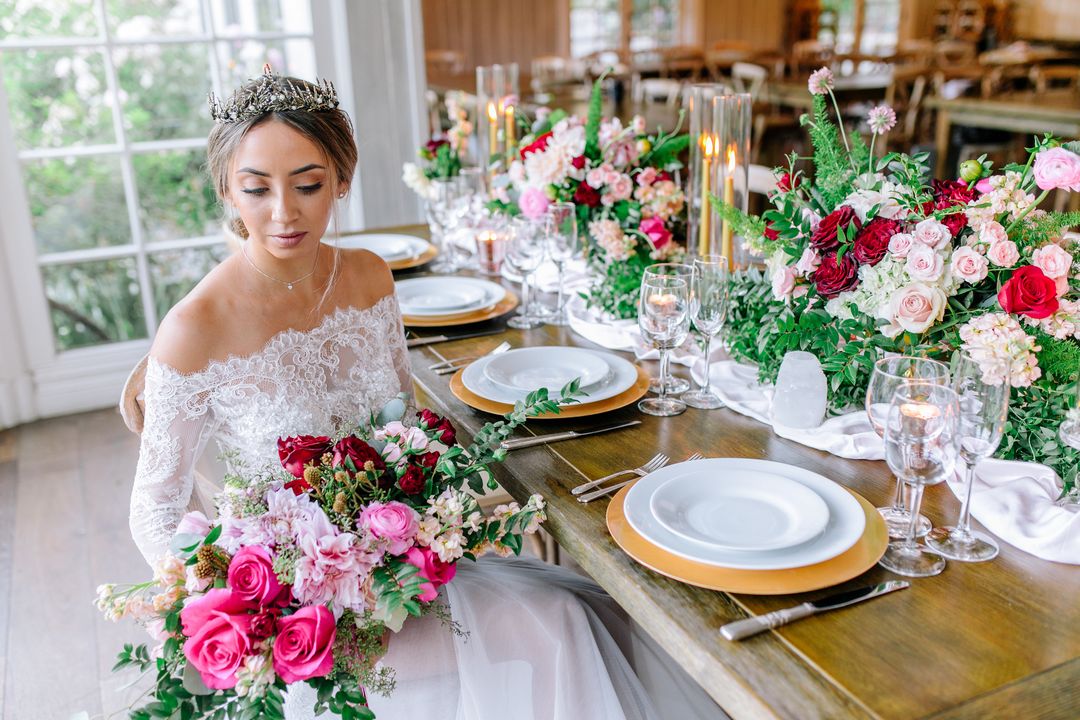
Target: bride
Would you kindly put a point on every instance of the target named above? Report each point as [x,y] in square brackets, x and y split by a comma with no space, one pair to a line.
[293,336]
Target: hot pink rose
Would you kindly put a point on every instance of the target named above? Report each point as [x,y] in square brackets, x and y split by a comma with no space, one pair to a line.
[200,609]
[900,244]
[436,572]
[194,523]
[252,578]
[917,306]
[659,236]
[1053,260]
[968,265]
[923,263]
[304,643]
[1057,168]
[1003,253]
[533,202]
[218,630]
[394,522]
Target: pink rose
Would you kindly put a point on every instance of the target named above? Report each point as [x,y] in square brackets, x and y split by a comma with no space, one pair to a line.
[900,244]
[533,202]
[658,235]
[932,233]
[622,188]
[252,578]
[595,178]
[1003,253]
[194,523]
[968,265]
[198,611]
[992,232]
[1057,168]
[436,572]
[646,176]
[983,186]
[305,639]
[394,522]
[916,307]
[1054,261]
[218,631]
[809,262]
[923,263]
[783,282]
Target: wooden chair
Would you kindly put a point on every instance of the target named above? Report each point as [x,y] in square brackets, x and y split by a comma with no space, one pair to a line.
[1054,77]
[658,90]
[749,78]
[809,55]
[722,56]
[552,71]
[905,95]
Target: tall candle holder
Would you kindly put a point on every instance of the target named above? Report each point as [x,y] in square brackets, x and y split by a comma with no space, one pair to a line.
[496,93]
[732,126]
[702,172]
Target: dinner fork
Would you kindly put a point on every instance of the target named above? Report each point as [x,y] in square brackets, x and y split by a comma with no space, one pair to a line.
[604,491]
[658,461]
[454,364]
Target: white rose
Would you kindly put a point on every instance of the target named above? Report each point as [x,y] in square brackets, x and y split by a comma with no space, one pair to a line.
[969,265]
[924,264]
[932,234]
[900,244]
[809,262]
[1052,260]
[916,307]
[1003,253]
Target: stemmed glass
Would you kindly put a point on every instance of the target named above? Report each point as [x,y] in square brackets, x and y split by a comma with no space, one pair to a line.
[667,382]
[983,408]
[921,447]
[1069,432]
[525,253]
[708,310]
[889,374]
[664,319]
[445,195]
[562,244]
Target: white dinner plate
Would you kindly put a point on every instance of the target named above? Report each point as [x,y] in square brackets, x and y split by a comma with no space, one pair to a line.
[740,510]
[844,528]
[388,246]
[550,367]
[445,295]
[621,376]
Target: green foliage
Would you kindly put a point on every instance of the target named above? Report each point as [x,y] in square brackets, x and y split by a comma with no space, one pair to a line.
[667,150]
[592,122]
[833,165]
[616,294]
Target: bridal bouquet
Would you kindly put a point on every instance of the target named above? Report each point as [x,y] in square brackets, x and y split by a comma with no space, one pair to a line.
[311,568]
[867,256]
[628,204]
[441,156]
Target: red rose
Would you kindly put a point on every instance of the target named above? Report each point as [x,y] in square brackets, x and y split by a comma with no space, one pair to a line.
[412,482]
[951,192]
[770,231]
[1029,292]
[537,145]
[432,146]
[825,237]
[578,162]
[954,221]
[872,242]
[787,183]
[832,277]
[587,195]
[441,426]
[428,460]
[296,452]
[355,449]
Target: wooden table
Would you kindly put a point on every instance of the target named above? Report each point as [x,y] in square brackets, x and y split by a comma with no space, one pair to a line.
[991,640]
[794,93]
[1057,113]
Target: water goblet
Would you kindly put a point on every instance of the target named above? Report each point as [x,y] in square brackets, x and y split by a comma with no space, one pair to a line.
[708,310]
[525,253]
[889,374]
[442,216]
[562,244]
[664,319]
[921,448]
[666,381]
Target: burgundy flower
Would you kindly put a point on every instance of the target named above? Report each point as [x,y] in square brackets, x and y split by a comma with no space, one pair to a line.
[833,277]
[441,426]
[587,195]
[825,237]
[353,448]
[428,460]
[787,183]
[872,242]
[663,175]
[432,146]
[578,162]
[412,482]
[770,231]
[537,145]
[955,193]
[264,624]
[296,452]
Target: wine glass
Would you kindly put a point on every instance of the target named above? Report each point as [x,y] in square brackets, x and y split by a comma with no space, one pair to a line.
[983,409]
[889,374]
[664,319]
[442,217]
[562,244]
[525,253]
[666,381]
[921,447]
[708,310]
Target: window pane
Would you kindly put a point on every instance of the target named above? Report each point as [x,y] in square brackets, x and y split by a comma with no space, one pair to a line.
[140,18]
[164,89]
[93,303]
[594,26]
[242,17]
[58,97]
[176,199]
[175,272]
[77,203]
[244,59]
[47,18]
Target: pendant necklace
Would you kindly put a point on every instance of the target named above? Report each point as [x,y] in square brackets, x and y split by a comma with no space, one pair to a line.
[287,283]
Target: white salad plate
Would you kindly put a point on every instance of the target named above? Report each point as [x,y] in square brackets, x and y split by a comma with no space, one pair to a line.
[388,246]
[742,510]
[845,525]
[620,376]
[445,295]
[551,367]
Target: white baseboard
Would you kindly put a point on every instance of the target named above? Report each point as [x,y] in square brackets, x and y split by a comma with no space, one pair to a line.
[16,402]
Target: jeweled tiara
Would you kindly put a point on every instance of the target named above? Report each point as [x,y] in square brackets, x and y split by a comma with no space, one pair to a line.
[273,93]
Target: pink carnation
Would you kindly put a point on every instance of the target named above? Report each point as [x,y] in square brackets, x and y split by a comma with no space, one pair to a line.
[533,202]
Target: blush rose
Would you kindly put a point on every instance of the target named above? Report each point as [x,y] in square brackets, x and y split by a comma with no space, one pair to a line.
[394,522]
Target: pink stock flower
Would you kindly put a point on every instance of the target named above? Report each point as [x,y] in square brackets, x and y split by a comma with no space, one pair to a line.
[304,644]
[881,119]
[394,522]
[252,578]
[533,202]
[1057,168]
[969,265]
[821,81]
[434,571]
[647,176]
[1003,253]
[658,235]
[194,523]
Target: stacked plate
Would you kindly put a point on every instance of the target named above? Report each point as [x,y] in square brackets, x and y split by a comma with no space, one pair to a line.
[442,299]
[399,251]
[747,526]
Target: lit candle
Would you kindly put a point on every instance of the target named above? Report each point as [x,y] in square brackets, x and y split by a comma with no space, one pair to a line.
[729,199]
[708,149]
[663,303]
[510,133]
[493,134]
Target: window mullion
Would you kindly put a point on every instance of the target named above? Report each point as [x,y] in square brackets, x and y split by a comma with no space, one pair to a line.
[210,27]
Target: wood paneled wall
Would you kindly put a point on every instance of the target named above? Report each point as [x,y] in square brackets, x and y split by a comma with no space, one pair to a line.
[1047,19]
[759,23]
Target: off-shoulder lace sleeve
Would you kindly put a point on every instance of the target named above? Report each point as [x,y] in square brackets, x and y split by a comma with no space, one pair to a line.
[177,425]
[400,351]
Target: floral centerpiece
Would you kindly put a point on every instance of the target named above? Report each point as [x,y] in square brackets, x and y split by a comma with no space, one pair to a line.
[629,206]
[868,255]
[441,156]
[311,568]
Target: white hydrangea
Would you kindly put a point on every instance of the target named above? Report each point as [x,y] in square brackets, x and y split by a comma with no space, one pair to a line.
[415,179]
[877,284]
[882,194]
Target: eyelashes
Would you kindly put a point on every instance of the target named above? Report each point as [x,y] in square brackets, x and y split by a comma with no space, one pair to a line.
[304,189]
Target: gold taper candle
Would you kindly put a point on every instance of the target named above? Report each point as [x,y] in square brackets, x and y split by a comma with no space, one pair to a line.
[729,199]
[708,149]
[511,133]
[493,134]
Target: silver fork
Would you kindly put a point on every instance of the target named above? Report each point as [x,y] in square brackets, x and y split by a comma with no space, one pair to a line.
[454,364]
[658,461]
[604,491]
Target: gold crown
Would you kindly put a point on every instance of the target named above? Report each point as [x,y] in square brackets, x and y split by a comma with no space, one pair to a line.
[273,93]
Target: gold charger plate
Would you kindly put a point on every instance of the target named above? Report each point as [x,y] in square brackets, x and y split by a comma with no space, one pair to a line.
[508,303]
[632,394]
[853,562]
[423,258]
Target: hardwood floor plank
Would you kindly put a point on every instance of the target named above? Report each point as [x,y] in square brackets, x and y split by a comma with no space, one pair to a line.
[7,534]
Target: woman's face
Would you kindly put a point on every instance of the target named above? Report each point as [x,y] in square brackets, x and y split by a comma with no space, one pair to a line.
[280,183]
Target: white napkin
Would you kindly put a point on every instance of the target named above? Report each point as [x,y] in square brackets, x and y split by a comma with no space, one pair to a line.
[546,277]
[623,335]
[1015,501]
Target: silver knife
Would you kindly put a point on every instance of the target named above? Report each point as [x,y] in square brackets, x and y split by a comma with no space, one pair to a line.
[556,437]
[431,339]
[752,626]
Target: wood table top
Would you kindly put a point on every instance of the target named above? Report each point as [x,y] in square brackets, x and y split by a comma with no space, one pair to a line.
[996,639]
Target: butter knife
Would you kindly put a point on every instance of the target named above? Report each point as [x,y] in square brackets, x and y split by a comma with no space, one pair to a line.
[752,626]
[568,435]
[431,339]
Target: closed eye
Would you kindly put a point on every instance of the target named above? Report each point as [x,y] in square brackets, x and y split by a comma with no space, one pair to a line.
[309,189]
[253,191]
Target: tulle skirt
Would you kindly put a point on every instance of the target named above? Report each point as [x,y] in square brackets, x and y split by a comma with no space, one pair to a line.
[539,643]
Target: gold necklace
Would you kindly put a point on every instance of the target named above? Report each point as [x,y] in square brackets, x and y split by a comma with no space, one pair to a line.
[287,283]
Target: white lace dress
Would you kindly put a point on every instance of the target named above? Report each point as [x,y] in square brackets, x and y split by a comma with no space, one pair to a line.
[541,643]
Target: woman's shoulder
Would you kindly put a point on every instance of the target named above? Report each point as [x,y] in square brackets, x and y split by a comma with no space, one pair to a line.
[365,275]
[191,333]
